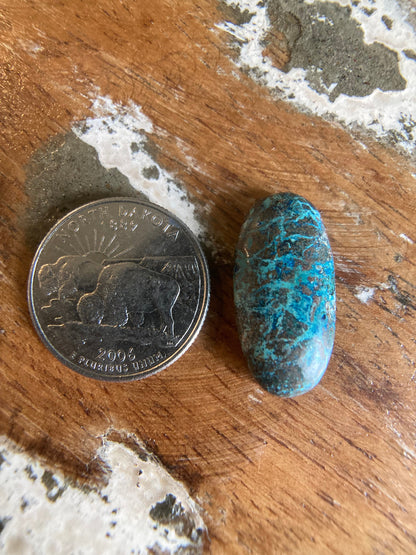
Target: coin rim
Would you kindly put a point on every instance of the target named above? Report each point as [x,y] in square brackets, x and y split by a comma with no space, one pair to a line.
[203,302]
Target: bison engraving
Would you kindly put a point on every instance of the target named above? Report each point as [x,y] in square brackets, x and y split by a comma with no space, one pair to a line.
[70,276]
[125,293]
[65,281]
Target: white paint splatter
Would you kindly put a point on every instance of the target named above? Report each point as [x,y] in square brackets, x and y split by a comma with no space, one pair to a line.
[406,238]
[324,19]
[119,135]
[384,113]
[31,47]
[364,294]
[254,399]
[384,286]
[43,513]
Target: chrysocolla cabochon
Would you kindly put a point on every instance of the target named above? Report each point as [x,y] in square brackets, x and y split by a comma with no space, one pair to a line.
[284,292]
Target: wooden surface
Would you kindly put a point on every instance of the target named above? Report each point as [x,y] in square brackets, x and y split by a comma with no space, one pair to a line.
[331,471]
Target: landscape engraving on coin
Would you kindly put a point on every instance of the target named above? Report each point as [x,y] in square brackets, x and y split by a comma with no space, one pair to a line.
[118,289]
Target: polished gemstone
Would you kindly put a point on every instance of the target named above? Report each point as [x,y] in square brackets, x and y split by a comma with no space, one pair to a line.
[284,292]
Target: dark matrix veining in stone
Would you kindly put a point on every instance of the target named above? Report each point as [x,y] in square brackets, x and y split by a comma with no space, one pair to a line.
[284,292]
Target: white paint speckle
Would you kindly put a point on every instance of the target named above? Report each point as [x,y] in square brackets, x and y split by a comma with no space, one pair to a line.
[254,399]
[384,286]
[42,513]
[364,294]
[385,113]
[406,238]
[324,19]
[119,134]
[32,48]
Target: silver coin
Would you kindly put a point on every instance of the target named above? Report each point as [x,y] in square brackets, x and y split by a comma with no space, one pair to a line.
[118,289]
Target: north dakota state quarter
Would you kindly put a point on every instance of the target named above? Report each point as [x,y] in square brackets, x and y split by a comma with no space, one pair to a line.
[118,289]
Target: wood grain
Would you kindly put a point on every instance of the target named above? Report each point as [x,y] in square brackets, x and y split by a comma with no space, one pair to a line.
[331,471]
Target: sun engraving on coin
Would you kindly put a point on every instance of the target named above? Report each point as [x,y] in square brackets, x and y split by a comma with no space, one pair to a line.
[118,289]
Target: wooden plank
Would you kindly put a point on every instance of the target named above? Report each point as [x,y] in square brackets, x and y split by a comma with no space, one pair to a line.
[329,471]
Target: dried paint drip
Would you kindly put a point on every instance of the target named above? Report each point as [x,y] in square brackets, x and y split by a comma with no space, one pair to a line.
[141,509]
[355,62]
[120,135]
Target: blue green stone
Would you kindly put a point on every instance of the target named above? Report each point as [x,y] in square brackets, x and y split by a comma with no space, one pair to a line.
[284,293]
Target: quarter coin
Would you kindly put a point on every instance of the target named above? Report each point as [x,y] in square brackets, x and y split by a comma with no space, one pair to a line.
[118,289]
